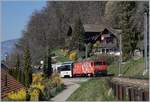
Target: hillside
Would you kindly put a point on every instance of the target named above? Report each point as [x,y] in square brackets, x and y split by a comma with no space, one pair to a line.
[60,55]
[50,25]
[7,47]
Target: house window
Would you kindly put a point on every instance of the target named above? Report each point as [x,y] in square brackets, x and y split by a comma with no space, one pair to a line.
[103,50]
[107,50]
[109,40]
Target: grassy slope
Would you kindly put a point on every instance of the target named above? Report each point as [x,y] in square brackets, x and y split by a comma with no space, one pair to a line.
[96,89]
[61,57]
[134,68]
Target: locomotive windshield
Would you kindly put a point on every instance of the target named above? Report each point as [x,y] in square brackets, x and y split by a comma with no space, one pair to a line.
[65,68]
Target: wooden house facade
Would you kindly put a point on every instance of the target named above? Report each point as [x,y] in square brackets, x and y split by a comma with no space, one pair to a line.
[104,38]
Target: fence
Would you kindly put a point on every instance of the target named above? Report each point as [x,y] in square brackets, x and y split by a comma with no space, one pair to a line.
[128,92]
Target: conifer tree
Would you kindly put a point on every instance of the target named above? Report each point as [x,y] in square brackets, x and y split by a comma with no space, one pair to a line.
[47,64]
[22,78]
[20,75]
[78,35]
[17,67]
[27,67]
[128,36]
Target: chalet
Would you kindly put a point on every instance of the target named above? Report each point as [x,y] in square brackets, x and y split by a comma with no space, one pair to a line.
[104,39]
[8,82]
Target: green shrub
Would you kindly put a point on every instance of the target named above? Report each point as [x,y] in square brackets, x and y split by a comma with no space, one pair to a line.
[60,88]
[56,79]
[37,77]
[35,94]
[73,56]
[19,95]
[52,91]
[36,91]
[53,86]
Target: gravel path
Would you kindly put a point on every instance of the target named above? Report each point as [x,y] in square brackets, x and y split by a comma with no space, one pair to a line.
[71,85]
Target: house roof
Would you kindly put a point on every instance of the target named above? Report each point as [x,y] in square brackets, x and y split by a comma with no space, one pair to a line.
[97,28]
[4,66]
[109,32]
[93,27]
[8,83]
[100,28]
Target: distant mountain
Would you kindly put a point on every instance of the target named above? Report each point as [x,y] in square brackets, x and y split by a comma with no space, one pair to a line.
[7,47]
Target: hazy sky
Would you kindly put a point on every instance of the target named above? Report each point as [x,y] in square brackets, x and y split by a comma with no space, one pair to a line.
[15,16]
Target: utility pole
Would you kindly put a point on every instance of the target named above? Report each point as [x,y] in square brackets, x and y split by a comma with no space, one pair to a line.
[145,44]
[120,57]
[86,51]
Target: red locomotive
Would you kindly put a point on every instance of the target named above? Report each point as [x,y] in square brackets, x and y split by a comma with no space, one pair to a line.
[90,68]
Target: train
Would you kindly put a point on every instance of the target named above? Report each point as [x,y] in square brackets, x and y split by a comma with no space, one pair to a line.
[83,68]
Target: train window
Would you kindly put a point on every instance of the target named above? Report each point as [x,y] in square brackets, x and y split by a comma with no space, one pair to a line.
[92,64]
[97,63]
[59,69]
[65,68]
[104,63]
